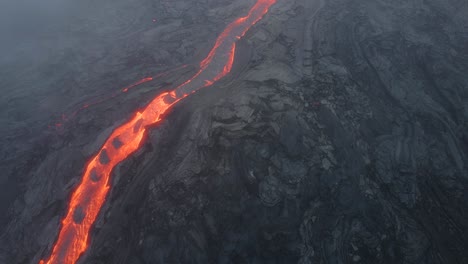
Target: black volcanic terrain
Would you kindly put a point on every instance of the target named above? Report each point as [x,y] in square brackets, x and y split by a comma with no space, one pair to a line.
[339,136]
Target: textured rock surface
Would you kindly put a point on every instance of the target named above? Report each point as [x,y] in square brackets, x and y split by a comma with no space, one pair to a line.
[340,137]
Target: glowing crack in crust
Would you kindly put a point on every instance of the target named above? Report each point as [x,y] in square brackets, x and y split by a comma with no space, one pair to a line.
[89,196]
[96,101]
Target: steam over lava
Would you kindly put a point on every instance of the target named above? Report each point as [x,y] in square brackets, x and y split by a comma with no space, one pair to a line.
[89,196]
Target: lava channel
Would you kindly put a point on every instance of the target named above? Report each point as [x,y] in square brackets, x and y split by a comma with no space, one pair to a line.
[96,101]
[89,196]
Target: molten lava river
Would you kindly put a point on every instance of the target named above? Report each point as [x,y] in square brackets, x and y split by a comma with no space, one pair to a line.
[89,196]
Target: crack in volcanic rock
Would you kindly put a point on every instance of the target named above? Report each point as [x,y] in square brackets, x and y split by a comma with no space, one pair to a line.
[89,196]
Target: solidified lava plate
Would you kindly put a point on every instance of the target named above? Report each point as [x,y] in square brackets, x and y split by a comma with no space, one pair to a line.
[89,196]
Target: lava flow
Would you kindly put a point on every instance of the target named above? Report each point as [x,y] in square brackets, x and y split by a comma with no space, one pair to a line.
[95,101]
[89,196]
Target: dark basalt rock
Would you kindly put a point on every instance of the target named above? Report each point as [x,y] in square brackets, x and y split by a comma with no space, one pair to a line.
[339,137]
[95,177]
[78,215]
[116,143]
[104,157]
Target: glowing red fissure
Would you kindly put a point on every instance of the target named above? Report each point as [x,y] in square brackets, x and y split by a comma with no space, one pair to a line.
[97,101]
[89,196]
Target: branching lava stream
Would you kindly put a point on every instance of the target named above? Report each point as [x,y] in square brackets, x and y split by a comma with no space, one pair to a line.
[89,196]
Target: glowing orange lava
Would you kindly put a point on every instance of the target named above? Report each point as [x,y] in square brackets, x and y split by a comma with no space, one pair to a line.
[97,101]
[89,196]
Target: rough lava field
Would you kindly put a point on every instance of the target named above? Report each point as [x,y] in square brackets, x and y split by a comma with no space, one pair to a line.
[340,134]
